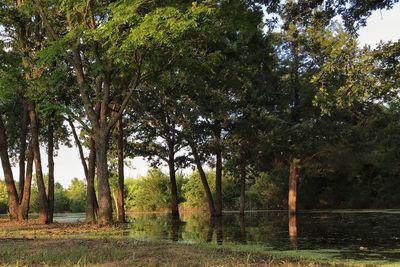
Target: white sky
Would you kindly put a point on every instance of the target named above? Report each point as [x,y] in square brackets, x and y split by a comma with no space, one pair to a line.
[381,26]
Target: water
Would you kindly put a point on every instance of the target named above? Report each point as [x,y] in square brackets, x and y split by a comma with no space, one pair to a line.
[351,234]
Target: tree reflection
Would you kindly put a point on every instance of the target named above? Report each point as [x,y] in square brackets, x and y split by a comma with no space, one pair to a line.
[215,225]
[293,231]
[175,227]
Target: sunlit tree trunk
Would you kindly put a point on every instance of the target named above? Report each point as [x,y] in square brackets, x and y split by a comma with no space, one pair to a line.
[91,200]
[89,168]
[8,175]
[103,186]
[23,210]
[22,149]
[172,178]
[292,197]
[50,187]
[203,178]
[120,189]
[43,202]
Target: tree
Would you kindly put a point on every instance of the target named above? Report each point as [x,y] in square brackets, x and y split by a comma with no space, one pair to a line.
[76,194]
[111,42]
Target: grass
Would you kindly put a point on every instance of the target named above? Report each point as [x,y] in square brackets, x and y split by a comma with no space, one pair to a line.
[114,252]
[31,244]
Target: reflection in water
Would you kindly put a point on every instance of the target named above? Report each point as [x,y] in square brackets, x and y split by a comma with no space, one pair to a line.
[293,230]
[175,226]
[376,231]
[242,222]
[215,225]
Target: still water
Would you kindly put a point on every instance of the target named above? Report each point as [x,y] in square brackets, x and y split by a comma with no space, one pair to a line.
[275,229]
[363,234]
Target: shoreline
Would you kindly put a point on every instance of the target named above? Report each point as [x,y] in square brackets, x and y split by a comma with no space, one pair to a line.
[79,244]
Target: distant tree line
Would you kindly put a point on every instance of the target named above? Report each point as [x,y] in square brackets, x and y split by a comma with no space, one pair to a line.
[283,103]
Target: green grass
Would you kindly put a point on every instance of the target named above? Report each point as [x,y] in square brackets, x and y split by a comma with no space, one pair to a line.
[82,252]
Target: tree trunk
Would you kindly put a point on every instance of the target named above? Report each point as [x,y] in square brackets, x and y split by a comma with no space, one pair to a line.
[43,205]
[120,192]
[8,175]
[242,187]
[50,187]
[292,197]
[24,205]
[218,183]
[203,178]
[218,171]
[103,186]
[172,179]
[91,201]
[90,170]
[22,150]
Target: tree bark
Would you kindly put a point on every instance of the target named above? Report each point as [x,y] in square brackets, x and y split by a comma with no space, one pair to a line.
[242,187]
[292,197]
[120,190]
[172,179]
[218,171]
[43,204]
[50,187]
[8,175]
[24,205]
[90,170]
[103,186]
[203,178]
[91,201]
[22,150]
[218,183]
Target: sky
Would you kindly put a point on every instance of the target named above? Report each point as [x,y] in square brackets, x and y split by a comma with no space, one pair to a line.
[381,26]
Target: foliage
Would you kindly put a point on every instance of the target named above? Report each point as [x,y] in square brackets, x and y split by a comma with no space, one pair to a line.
[76,194]
[150,192]
[194,192]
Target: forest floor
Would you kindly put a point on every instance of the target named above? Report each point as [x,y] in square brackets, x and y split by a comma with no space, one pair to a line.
[31,244]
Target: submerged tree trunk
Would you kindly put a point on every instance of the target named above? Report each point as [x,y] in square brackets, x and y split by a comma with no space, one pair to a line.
[292,196]
[43,204]
[120,190]
[8,175]
[172,179]
[242,187]
[203,178]
[50,187]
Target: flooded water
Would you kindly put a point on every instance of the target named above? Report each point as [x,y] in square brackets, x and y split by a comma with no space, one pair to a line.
[361,234]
